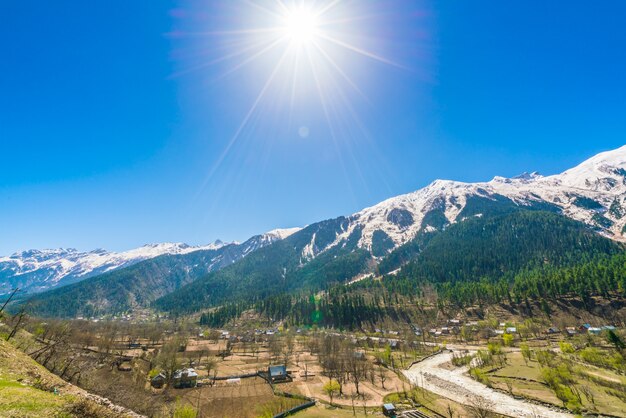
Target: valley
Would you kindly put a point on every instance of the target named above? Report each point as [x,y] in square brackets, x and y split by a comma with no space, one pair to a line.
[502,299]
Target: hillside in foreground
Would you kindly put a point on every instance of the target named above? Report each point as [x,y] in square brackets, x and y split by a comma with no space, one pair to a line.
[27,390]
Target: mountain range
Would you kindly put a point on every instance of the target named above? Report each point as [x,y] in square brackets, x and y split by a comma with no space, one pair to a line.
[375,241]
[35,271]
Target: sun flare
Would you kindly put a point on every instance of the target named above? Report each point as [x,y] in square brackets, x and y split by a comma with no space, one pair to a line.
[301,26]
[303,60]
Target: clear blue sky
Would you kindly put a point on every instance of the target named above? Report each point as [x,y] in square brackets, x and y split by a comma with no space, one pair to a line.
[103,143]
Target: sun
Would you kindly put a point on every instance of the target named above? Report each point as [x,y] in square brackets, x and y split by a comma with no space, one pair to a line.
[306,60]
[300,25]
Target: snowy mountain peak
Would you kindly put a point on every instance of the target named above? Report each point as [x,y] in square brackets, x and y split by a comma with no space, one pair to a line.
[594,192]
[281,234]
[528,176]
[37,270]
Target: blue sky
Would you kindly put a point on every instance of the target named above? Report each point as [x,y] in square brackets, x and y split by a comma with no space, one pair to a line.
[106,141]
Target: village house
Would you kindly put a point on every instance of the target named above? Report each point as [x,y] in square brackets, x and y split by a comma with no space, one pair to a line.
[552,330]
[389,410]
[185,378]
[594,330]
[158,381]
[278,374]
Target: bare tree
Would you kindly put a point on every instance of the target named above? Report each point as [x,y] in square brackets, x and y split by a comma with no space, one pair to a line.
[168,360]
[17,321]
[8,300]
[357,368]
[276,349]
[382,375]
[450,411]
[480,407]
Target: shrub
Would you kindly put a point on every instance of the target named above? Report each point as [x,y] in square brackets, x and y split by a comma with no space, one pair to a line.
[184,410]
[566,348]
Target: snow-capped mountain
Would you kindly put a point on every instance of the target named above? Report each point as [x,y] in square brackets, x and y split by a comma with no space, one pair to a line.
[260,241]
[594,192]
[39,270]
[331,251]
[36,270]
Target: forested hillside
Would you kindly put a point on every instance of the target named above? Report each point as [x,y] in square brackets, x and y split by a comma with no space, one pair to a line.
[137,285]
[508,258]
[281,267]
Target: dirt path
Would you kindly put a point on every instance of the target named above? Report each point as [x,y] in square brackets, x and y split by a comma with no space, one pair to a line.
[459,387]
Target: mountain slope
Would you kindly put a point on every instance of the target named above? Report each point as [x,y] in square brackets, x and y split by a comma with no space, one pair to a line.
[38,270]
[494,247]
[305,260]
[385,237]
[27,391]
[395,231]
[594,192]
[142,282]
[498,247]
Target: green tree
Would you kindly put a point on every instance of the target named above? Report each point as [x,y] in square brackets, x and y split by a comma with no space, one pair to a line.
[331,388]
[615,339]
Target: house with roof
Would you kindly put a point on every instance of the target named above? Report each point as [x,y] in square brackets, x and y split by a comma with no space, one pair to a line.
[552,330]
[594,330]
[278,374]
[158,381]
[389,410]
[185,378]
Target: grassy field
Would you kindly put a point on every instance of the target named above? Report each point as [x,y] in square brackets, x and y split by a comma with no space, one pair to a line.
[596,389]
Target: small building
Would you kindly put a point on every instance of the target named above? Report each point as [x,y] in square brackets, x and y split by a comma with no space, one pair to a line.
[389,410]
[594,330]
[185,378]
[552,330]
[158,381]
[277,374]
[511,330]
